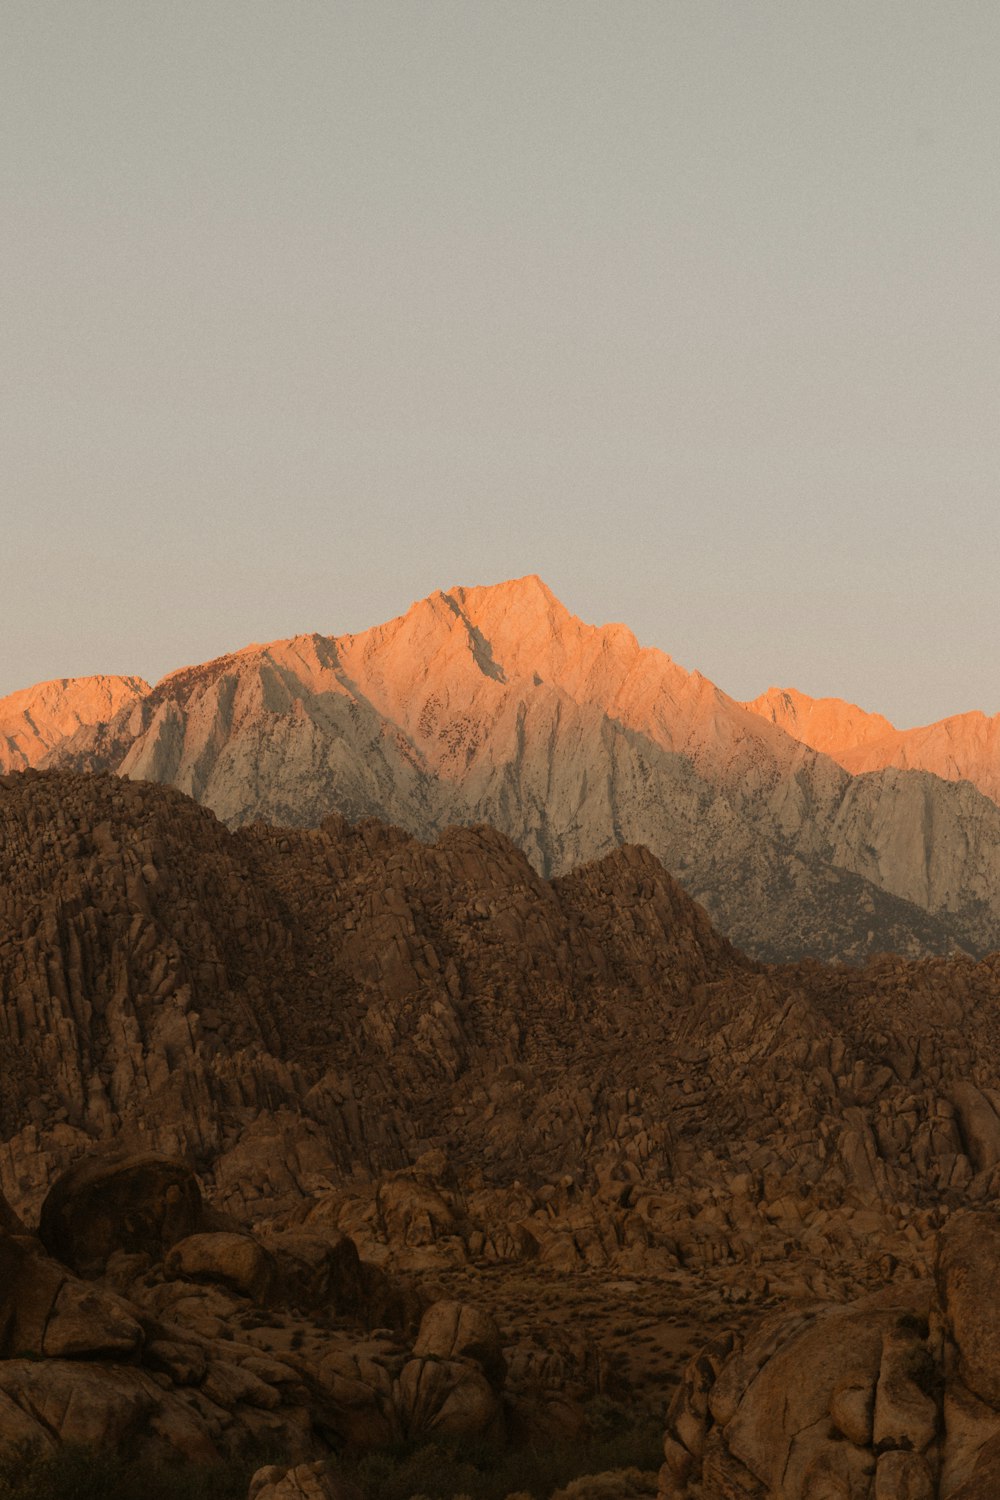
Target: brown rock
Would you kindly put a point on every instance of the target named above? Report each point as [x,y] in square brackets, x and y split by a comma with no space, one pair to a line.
[103,1205]
[43,1310]
[86,1321]
[903,1476]
[447,1398]
[969,1288]
[235,1260]
[852,1406]
[316,1270]
[984,1481]
[906,1408]
[360,1405]
[456,1330]
[316,1481]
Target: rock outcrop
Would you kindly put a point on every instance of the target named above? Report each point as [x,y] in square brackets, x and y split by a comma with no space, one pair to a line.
[199,1350]
[453,1059]
[496,705]
[896,1397]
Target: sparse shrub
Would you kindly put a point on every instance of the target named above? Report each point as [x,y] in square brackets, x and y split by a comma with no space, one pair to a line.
[71,1472]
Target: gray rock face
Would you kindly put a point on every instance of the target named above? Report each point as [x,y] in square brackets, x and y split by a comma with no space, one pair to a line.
[497,706]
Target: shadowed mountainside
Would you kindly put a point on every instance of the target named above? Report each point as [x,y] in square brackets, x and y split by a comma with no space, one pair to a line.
[289,1007]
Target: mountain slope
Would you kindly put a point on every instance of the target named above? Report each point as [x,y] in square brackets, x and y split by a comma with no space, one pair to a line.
[35,719]
[496,705]
[964,747]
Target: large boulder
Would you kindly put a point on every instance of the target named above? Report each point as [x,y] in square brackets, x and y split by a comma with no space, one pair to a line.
[358,1403]
[44,1311]
[103,1204]
[448,1398]
[319,1270]
[820,1403]
[968,1279]
[461,1330]
[234,1260]
[97,1406]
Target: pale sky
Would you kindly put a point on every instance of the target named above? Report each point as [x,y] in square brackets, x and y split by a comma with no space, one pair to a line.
[311,307]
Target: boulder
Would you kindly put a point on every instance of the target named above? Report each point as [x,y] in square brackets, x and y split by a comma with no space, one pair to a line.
[46,1311]
[969,1290]
[903,1476]
[101,1407]
[235,1260]
[809,1404]
[103,1204]
[447,1398]
[359,1401]
[319,1270]
[461,1330]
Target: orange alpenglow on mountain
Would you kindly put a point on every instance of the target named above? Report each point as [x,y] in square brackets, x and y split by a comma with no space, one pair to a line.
[497,705]
[963,747]
[36,719]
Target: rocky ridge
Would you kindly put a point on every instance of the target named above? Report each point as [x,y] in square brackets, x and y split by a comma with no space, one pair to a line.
[289,1007]
[496,705]
[963,747]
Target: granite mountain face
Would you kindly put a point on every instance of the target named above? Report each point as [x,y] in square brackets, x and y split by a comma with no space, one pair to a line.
[496,705]
[964,747]
[35,720]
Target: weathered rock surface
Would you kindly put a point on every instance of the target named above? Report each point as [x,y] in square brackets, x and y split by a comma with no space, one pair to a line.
[291,1108]
[496,705]
[896,1397]
[308,1015]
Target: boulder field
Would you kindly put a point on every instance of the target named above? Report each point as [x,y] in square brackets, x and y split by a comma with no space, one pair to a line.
[330,1140]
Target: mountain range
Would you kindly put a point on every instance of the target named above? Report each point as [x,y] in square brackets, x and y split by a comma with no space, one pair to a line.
[805,827]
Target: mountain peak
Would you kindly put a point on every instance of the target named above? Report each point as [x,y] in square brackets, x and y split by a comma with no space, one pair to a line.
[35,719]
[826,724]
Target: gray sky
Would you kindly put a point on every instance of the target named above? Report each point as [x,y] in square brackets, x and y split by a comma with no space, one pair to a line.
[692,308]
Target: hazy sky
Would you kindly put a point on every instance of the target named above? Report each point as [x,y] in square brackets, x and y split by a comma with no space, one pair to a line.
[311,308]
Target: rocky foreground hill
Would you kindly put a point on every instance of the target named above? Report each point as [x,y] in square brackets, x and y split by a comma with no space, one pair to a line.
[344,1139]
[496,705]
